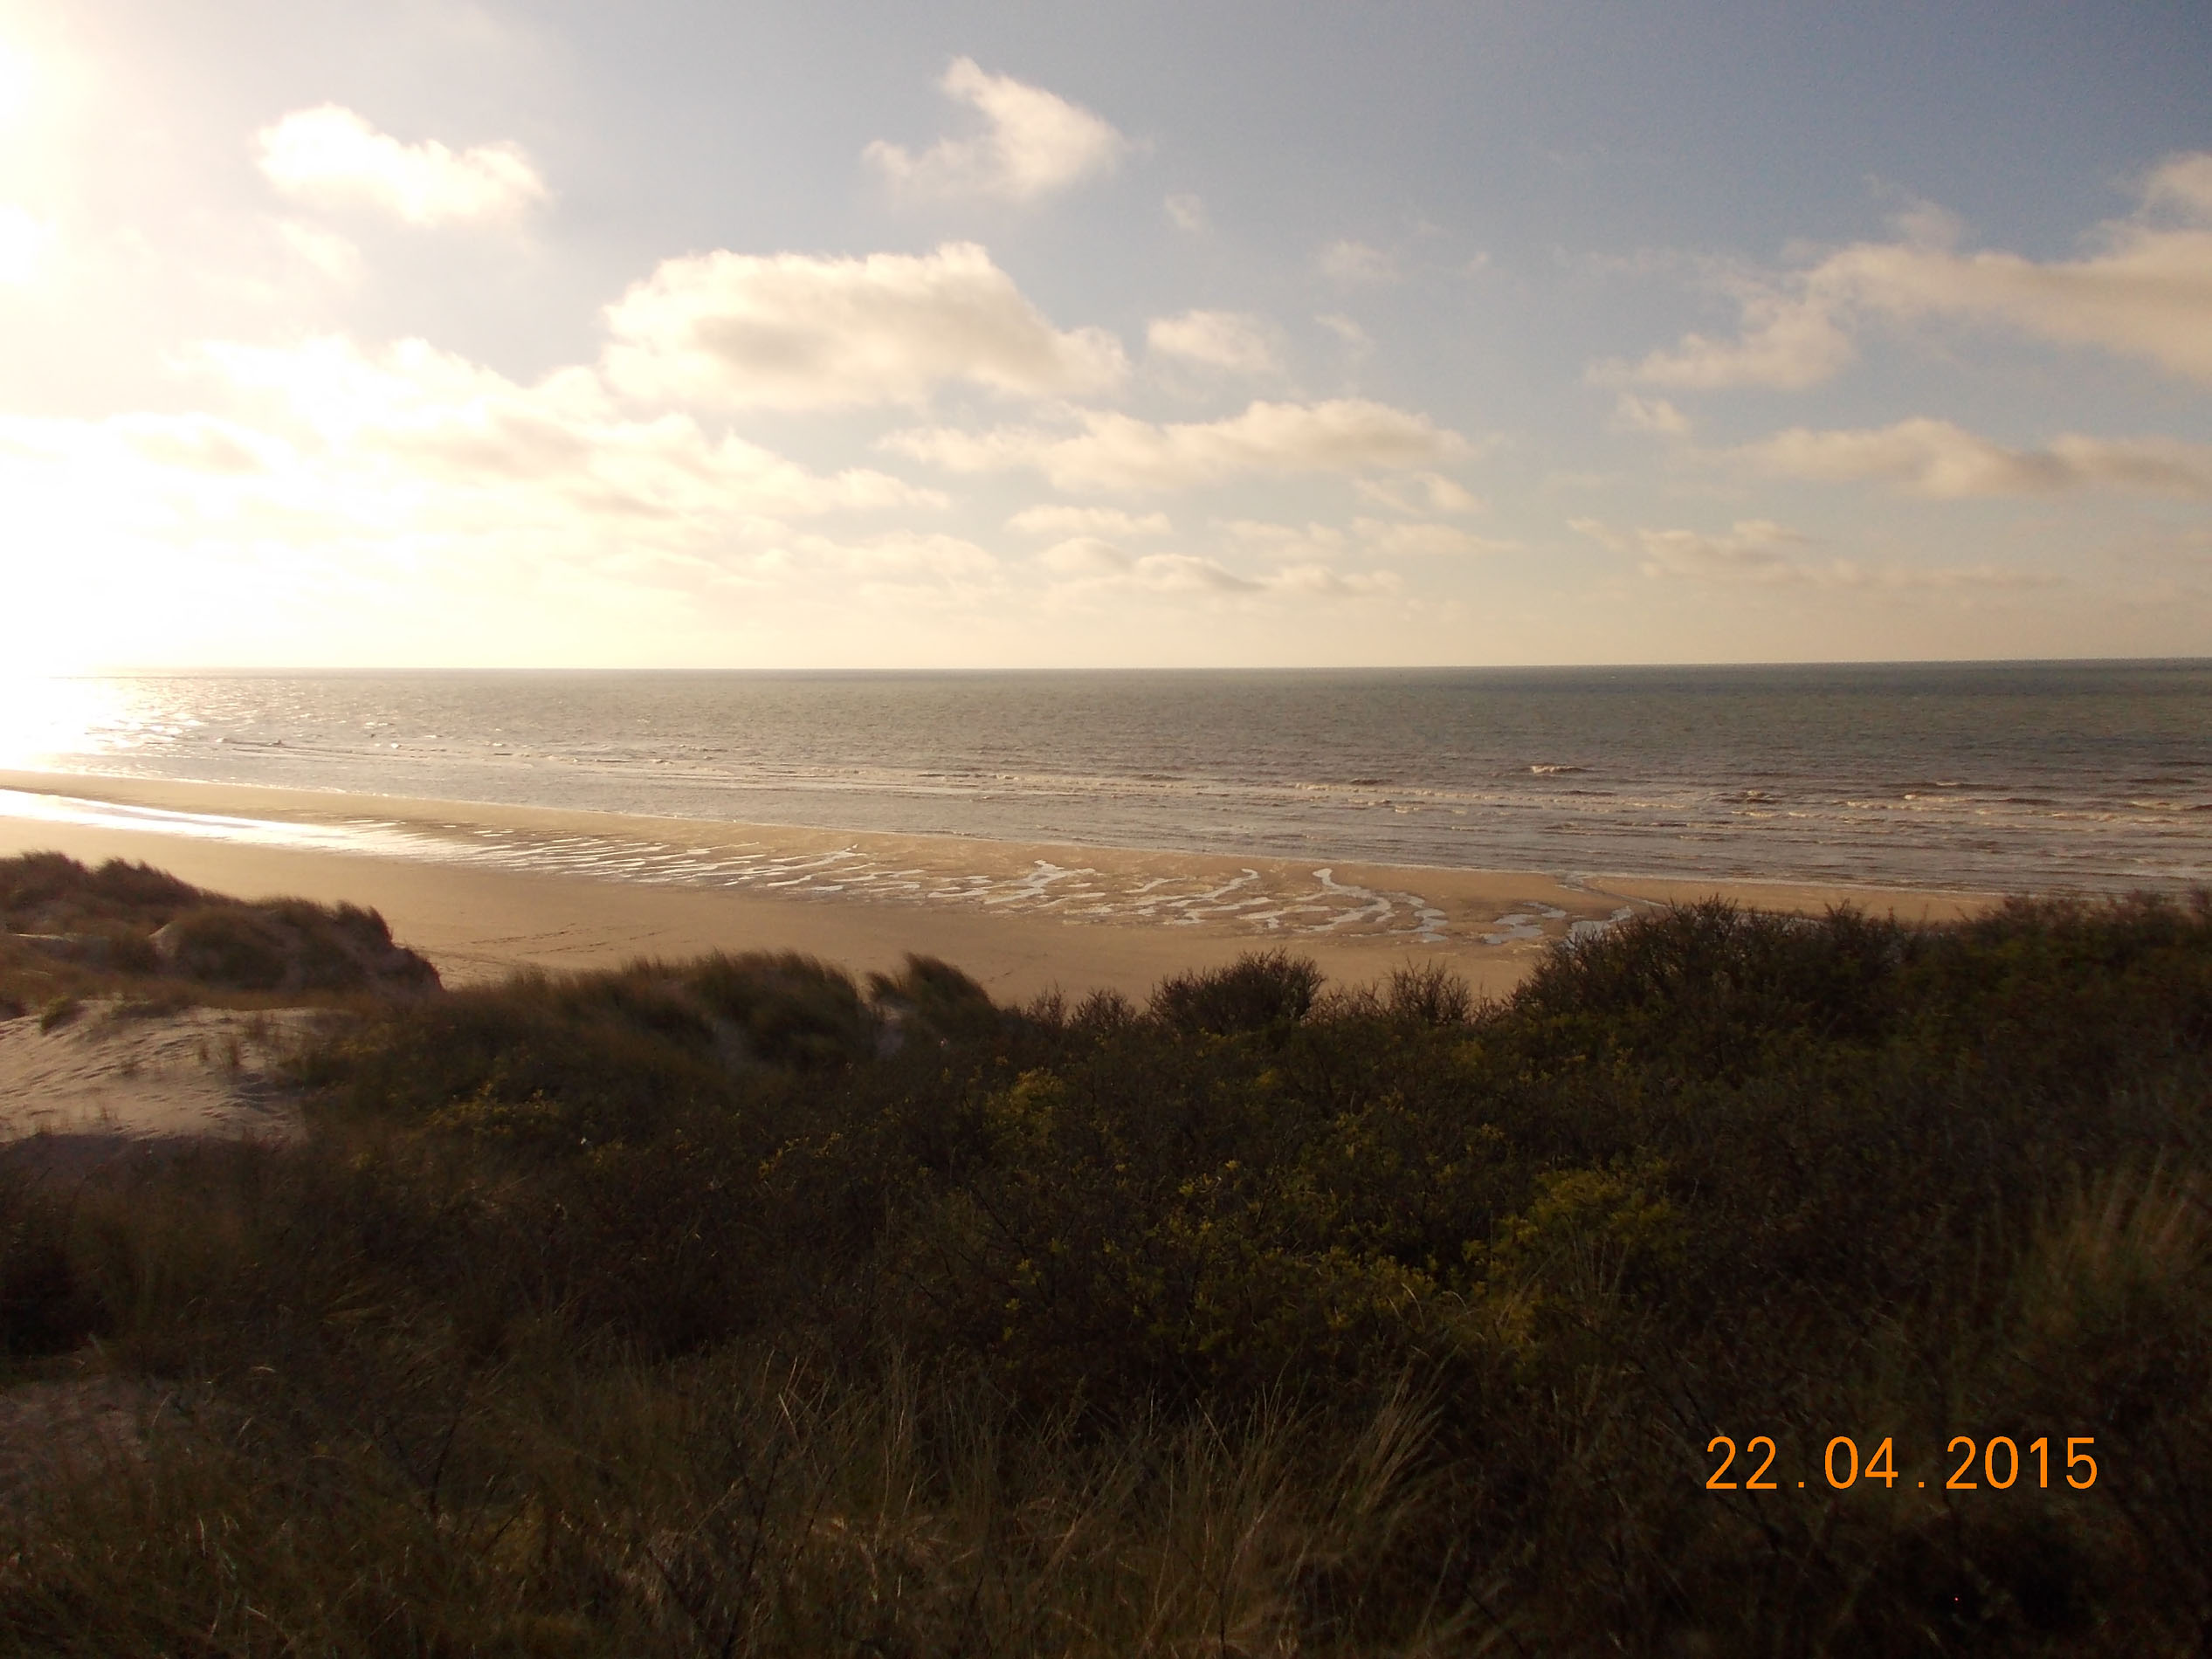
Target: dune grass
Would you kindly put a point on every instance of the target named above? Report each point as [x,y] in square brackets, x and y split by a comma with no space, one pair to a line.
[69,932]
[734,1306]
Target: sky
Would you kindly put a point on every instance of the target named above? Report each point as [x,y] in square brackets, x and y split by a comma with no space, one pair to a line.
[1416,331]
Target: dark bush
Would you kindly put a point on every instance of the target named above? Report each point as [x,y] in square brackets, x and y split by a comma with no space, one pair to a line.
[934,999]
[1428,994]
[45,1304]
[1258,991]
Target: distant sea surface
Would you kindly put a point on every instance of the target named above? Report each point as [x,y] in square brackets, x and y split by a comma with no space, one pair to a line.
[2011,776]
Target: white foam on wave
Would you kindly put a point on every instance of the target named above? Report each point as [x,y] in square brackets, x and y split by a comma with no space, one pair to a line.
[1317,905]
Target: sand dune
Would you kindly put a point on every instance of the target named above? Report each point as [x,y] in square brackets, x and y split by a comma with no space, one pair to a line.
[113,1071]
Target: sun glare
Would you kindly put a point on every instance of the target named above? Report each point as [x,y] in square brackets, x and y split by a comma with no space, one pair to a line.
[16,83]
[24,241]
[44,719]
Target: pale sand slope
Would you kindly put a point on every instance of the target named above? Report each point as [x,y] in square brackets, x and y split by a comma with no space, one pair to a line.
[479,889]
[111,1072]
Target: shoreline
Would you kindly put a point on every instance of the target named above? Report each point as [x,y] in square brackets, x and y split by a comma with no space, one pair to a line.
[481,888]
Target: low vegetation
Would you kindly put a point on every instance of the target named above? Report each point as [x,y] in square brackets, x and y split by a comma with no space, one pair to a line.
[732,1306]
[65,929]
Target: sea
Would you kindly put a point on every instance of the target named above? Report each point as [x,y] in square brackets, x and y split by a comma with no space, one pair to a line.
[2023,777]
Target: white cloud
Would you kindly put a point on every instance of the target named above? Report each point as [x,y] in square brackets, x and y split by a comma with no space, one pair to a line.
[1354,265]
[1317,542]
[1117,451]
[1935,457]
[902,557]
[1085,556]
[791,330]
[2183,184]
[1754,550]
[330,156]
[1760,552]
[1319,580]
[326,250]
[1423,492]
[1304,561]
[1787,341]
[198,443]
[1425,541]
[344,461]
[1187,210]
[1036,143]
[2143,290]
[1184,572]
[1224,339]
[24,240]
[1058,519]
[1655,414]
[441,417]
[1356,341]
[1378,537]
[1091,565]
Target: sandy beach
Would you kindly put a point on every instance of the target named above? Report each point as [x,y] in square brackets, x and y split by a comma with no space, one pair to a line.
[480,889]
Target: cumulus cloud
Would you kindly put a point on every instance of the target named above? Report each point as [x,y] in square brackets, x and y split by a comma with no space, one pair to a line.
[2183,185]
[1423,492]
[1096,565]
[435,416]
[792,331]
[1187,210]
[1320,580]
[1224,339]
[1058,519]
[353,461]
[331,156]
[903,556]
[1185,573]
[1116,452]
[1091,565]
[2143,290]
[1759,551]
[1356,342]
[1654,415]
[1085,556]
[1788,342]
[1034,143]
[328,251]
[1935,457]
[1311,542]
[1375,537]
[1355,265]
[1426,540]
[1754,549]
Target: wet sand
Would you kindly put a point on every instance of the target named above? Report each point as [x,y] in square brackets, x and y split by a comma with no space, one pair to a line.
[480,889]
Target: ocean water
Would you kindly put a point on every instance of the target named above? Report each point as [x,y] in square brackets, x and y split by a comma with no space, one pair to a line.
[2044,777]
